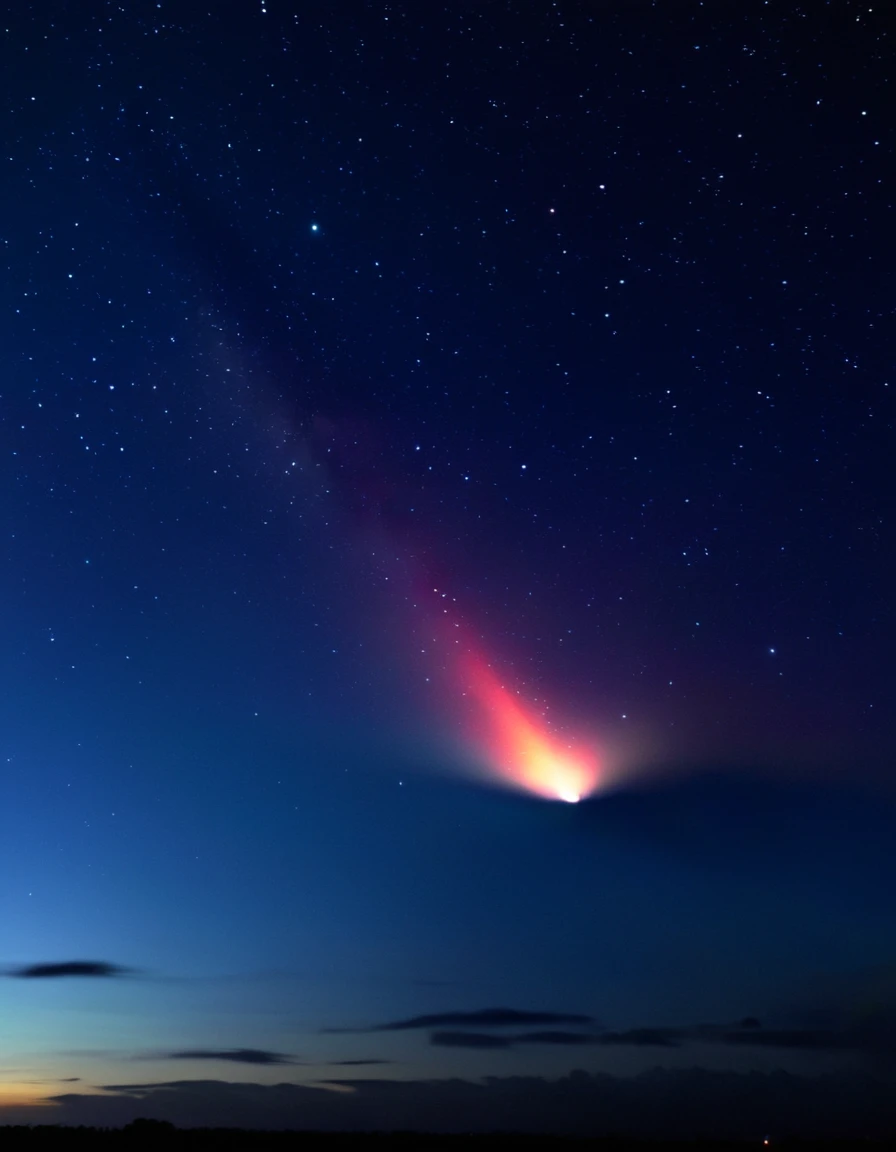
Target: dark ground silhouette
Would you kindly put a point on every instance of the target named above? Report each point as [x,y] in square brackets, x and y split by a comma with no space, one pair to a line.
[146,1133]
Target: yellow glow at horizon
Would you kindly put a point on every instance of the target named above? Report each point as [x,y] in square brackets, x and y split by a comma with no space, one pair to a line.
[18,1095]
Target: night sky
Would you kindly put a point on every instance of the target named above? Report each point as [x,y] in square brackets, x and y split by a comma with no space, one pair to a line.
[447,564]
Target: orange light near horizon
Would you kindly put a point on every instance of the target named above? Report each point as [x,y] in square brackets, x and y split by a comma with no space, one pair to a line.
[521,752]
[25,1095]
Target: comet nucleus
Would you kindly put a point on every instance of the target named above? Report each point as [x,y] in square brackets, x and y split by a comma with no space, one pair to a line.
[520,750]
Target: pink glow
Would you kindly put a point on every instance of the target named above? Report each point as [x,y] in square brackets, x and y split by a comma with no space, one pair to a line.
[520,750]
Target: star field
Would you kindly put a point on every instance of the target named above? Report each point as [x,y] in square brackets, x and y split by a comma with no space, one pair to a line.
[410,416]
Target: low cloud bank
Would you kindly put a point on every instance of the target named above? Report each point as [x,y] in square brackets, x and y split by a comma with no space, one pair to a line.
[681,1104]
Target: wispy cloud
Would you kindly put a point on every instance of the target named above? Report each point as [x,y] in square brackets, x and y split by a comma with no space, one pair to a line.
[502,1029]
[557,1038]
[646,1037]
[51,971]
[354,1063]
[470,1040]
[54,1080]
[483,1018]
[233,1055]
[639,1037]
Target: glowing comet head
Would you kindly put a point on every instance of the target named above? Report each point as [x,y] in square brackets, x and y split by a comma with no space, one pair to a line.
[521,751]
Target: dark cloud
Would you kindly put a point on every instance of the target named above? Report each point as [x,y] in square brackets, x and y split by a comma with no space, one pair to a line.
[470,1040]
[233,1055]
[489,1040]
[141,1089]
[354,1063]
[554,1037]
[484,1018]
[646,1037]
[806,1039]
[673,1104]
[70,968]
[55,1080]
[748,1033]
[875,1036]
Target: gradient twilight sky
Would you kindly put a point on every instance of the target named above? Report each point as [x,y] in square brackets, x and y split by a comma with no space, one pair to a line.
[413,417]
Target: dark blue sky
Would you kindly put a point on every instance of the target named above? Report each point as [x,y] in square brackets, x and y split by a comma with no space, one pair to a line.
[411,416]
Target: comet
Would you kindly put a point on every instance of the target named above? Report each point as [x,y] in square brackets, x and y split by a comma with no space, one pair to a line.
[520,750]
[514,742]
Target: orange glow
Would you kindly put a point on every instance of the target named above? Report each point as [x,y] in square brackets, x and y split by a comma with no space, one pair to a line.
[521,752]
[14,1095]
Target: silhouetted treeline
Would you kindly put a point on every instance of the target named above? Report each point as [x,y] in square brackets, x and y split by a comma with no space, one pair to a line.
[152,1134]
